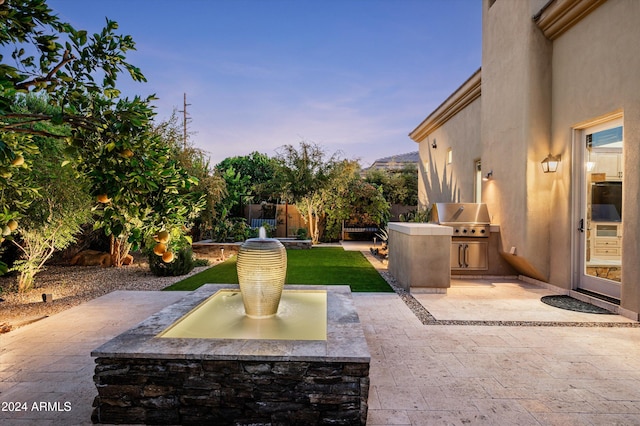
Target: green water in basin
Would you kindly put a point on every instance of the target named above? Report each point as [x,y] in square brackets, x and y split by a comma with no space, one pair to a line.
[302,315]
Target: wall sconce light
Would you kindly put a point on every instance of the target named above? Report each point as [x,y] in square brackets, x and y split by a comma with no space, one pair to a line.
[434,144]
[488,176]
[550,164]
[591,165]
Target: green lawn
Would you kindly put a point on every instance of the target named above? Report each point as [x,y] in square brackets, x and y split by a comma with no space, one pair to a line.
[320,266]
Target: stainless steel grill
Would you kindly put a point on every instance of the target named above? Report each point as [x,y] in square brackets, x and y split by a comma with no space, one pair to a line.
[471,227]
[469,220]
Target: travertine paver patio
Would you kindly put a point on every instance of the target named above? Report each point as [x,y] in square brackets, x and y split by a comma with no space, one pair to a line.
[500,300]
[49,361]
[420,375]
[498,375]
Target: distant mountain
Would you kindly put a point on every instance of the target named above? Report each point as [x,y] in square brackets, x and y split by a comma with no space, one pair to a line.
[395,162]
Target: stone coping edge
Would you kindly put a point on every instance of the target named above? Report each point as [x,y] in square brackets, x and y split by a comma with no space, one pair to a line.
[345,337]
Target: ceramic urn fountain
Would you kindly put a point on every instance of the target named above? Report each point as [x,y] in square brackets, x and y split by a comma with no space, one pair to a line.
[262,267]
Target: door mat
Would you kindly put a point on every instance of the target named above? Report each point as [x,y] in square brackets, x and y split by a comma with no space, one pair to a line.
[571,304]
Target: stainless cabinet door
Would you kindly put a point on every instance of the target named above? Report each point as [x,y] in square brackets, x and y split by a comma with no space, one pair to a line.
[469,255]
[476,256]
[457,256]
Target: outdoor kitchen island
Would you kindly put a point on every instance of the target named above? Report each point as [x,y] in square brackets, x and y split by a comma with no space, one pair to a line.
[419,255]
[459,242]
[476,248]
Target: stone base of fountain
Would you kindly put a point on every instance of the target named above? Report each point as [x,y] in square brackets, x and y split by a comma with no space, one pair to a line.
[144,378]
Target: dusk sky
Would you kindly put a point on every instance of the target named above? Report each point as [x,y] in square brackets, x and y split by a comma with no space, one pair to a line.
[354,76]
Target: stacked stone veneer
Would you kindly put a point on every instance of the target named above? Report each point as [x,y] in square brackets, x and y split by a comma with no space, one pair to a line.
[230,392]
[142,378]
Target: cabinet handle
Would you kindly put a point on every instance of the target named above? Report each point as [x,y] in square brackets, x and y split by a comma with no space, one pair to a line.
[466,255]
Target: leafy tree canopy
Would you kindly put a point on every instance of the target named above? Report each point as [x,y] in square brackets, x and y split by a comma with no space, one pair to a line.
[54,218]
[350,198]
[307,177]
[196,162]
[259,174]
[133,173]
[304,170]
[398,187]
[136,178]
[48,55]
[74,72]
[74,68]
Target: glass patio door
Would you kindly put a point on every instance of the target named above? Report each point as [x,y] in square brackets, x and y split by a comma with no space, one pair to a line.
[601,220]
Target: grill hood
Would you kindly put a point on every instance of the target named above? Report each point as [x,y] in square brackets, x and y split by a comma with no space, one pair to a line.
[467,219]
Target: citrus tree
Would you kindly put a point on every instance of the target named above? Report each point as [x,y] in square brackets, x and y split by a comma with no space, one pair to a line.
[51,56]
[39,53]
[17,187]
[138,185]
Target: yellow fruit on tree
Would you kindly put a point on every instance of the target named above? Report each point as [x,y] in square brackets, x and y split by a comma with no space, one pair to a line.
[6,231]
[18,161]
[160,249]
[163,237]
[12,224]
[168,257]
[103,198]
[127,153]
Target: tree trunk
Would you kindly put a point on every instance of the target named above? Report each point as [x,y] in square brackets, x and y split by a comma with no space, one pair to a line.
[118,249]
[26,279]
[312,232]
[316,230]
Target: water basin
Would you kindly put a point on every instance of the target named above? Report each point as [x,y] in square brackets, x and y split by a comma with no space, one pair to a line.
[142,378]
[302,315]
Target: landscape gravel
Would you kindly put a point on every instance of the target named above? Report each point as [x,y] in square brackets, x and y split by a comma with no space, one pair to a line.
[72,285]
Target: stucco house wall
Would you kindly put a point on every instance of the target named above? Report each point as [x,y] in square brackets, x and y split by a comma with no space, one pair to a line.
[516,84]
[451,182]
[548,68]
[596,64]
[454,126]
